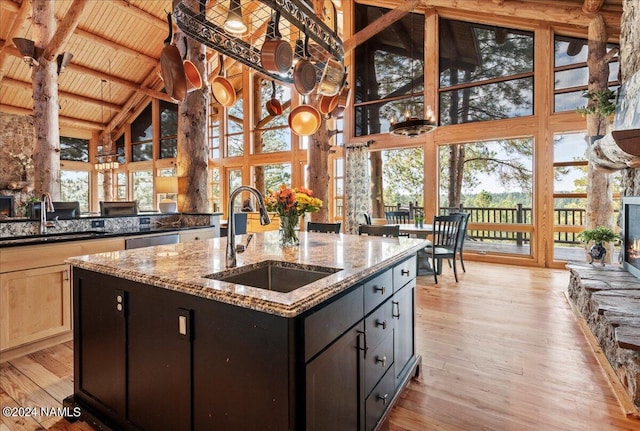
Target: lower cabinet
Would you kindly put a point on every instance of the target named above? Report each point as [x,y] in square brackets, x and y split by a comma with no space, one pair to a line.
[34,304]
[403,317]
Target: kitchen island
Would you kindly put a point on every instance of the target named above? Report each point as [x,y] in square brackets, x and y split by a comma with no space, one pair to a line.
[317,337]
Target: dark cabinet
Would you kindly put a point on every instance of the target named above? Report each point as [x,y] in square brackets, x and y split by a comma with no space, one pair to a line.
[402,314]
[333,393]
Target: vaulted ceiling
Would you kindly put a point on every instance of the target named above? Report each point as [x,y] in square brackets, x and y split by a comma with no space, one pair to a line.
[116,46]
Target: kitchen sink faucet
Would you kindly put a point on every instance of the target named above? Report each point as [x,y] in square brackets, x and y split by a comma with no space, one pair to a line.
[231,234]
[46,204]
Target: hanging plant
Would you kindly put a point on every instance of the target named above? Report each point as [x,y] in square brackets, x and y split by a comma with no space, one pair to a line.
[604,103]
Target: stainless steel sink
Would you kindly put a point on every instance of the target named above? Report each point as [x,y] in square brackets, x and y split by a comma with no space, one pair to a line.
[274,275]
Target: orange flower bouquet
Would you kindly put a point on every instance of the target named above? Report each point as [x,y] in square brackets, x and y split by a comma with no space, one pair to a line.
[290,204]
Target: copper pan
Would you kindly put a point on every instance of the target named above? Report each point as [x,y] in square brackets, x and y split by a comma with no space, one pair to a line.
[276,55]
[304,120]
[171,67]
[274,107]
[222,89]
[191,73]
[304,72]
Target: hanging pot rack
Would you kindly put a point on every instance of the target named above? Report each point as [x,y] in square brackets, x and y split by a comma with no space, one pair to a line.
[297,21]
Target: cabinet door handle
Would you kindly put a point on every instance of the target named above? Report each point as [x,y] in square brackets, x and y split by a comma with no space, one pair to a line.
[383,398]
[66,275]
[405,272]
[120,298]
[383,324]
[382,360]
[366,347]
[379,289]
[395,309]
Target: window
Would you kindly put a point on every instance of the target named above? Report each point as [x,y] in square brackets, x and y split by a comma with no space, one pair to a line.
[234,181]
[75,149]
[270,177]
[493,181]
[338,189]
[216,190]
[121,186]
[571,74]
[168,130]
[120,150]
[143,189]
[388,70]
[486,72]
[214,134]
[272,133]
[142,136]
[74,186]
[235,137]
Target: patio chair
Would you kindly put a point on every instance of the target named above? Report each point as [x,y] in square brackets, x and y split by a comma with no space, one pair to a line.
[399,217]
[367,218]
[462,236]
[323,227]
[445,242]
[379,230]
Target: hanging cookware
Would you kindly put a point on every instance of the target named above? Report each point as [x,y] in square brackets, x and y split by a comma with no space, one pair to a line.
[276,54]
[171,67]
[333,75]
[304,120]
[327,104]
[274,107]
[191,73]
[343,100]
[222,89]
[304,72]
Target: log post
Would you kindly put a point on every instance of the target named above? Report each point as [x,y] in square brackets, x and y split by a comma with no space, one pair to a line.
[193,155]
[599,211]
[46,152]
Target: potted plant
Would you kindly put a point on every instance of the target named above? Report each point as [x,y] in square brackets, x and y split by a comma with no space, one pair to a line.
[599,236]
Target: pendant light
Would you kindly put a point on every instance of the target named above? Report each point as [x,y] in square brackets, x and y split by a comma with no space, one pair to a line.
[234,23]
[412,125]
[105,162]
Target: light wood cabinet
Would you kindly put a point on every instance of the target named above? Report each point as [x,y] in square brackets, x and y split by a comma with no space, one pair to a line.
[199,234]
[36,304]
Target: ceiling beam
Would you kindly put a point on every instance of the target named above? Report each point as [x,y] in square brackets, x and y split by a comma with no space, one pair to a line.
[64,121]
[592,6]
[380,24]
[65,30]
[18,21]
[126,6]
[115,46]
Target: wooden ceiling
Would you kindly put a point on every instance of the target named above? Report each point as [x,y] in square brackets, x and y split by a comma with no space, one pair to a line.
[116,46]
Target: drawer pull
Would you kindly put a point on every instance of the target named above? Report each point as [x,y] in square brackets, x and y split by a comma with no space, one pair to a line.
[383,324]
[405,272]
[383,398]
[395,309]
[379,289]
[382,360]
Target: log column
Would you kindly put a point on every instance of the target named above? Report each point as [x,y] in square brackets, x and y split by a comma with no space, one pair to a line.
[46,153]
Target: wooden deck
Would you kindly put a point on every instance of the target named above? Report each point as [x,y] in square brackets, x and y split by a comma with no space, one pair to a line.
[501,350]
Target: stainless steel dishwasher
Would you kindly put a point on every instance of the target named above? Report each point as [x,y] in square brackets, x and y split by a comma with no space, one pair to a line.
[172,238]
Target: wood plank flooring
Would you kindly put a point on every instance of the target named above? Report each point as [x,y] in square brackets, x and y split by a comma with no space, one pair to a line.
[501,350]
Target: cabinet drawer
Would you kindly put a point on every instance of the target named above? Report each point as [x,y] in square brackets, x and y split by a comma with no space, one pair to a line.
[378,360]
[403,273]
[378,401]
[378,324]
[328,323]
[377,290]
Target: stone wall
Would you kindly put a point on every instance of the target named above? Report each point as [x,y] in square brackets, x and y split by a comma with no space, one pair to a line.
[17,137]
[630,64]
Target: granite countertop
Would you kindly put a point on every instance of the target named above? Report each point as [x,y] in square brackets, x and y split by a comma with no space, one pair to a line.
[183,267]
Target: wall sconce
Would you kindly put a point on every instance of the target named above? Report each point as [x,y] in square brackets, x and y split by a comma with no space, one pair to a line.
[31,53]
[234,23]
[167,186]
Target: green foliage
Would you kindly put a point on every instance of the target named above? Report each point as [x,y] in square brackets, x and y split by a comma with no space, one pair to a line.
[599,235]
[603,103]
[403,176]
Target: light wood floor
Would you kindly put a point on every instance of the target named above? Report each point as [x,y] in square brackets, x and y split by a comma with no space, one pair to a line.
[501,351]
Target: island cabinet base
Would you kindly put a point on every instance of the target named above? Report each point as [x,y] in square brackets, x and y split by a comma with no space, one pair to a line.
[147,358]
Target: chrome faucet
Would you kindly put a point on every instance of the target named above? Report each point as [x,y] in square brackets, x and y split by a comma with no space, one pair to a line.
[46,204]
[231,229]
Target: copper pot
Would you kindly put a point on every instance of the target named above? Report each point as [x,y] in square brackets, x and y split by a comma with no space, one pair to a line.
[276,55]
[332,78]
[327,104]
[304,73]
[194,79]
[304,120]
[222,89]
[274,107]
[343,99]
[171,67]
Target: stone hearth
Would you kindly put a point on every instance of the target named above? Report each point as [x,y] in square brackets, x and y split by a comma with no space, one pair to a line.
[609,300]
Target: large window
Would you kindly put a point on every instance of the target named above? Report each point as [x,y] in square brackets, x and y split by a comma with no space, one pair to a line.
[74,186]
[75,149]
[571,74]
[388,70]
[270,177]
[143,189]
[168,130]
[493,181]
[235,136]
[142,136]
[272,132]
[486,72]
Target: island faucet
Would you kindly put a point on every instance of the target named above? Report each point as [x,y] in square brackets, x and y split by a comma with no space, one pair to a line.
[46,204]
[231,234]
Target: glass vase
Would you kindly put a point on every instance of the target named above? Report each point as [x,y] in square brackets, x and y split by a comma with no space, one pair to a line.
[288,231]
